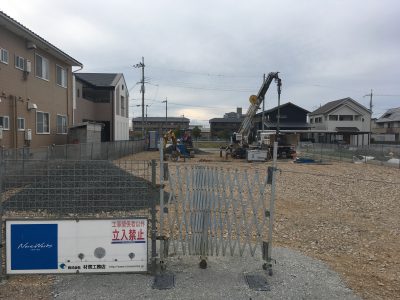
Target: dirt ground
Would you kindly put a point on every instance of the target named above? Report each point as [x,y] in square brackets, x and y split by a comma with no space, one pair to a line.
[344,214]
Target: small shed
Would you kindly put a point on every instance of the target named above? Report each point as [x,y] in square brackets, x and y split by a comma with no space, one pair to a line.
[86,132]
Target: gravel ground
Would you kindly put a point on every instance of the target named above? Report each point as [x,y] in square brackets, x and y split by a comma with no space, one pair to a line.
[346,215]
[296,276]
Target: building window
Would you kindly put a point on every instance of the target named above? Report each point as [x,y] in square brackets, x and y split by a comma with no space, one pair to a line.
[346,118]
[61,124]
[311,120]
[4,56]
[42,122]
[21,124]
[5,122]
[19,62]
[61,76]
[42,67]
[318,120]
[78,93]
[122,102]
[333,117]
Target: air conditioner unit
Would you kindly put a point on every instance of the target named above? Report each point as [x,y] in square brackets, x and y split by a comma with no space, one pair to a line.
[31,106]
[28,66]
[31,45]
[28,134]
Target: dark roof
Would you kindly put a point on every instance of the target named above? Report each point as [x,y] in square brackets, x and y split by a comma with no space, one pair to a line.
[28,35]
[162,119]
[99,79]
[391,115]
[347,129]
[226,120]
[333,104]
[283,105]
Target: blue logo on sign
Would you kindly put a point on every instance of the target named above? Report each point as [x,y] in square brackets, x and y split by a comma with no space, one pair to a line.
[34,246]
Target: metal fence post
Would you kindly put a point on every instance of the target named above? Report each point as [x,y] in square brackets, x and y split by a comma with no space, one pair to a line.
[153,220]
[161,203]
[272,208]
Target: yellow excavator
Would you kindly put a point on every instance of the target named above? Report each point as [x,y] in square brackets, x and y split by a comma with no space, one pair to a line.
[174,155]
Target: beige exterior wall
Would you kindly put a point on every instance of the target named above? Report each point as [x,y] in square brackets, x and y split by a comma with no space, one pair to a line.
[17,88]
[114,112]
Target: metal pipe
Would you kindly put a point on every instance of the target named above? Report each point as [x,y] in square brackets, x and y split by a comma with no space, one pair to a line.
[272,202]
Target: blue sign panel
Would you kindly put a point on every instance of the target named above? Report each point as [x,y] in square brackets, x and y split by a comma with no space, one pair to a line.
[34,246]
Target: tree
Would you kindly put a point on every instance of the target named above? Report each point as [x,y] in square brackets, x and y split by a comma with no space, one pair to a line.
[196,132]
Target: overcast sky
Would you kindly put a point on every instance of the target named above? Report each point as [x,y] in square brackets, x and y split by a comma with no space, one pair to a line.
[208,57]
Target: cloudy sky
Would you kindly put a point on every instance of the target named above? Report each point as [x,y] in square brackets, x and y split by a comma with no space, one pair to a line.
[207,57]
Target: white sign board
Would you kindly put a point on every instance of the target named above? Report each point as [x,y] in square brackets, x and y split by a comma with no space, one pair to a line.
[70,246]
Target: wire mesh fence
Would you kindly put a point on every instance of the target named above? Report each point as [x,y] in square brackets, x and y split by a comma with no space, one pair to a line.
[81,188]
[77,189]
[388,155]
[89,151]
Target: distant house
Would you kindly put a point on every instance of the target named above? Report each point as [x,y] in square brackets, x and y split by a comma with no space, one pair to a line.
[36,104]
[226,126]
[387,127]
[341,120]
[159,124]
[103,98]
[292,117]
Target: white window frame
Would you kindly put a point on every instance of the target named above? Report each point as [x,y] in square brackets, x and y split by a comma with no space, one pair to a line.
[64,128]
[64,80]
[48,118]
[8,122]
[18,124]
[45,67]
[18,61]
[4,56]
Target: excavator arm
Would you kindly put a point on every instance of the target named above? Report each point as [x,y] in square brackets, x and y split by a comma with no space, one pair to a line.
[255,101]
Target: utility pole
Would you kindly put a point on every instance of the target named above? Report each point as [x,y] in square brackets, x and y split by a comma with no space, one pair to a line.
[142,90]
[370,109]
[166,113]
[263,109]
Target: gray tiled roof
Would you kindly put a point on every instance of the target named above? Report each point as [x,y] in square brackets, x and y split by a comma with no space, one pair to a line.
[392,115]
[328,106]
[226,120]
[333,104]
[99,79]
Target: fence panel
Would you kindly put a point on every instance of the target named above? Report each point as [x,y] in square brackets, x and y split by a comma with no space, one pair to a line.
[388,155]
[54,189]
[90,151]
[216,211]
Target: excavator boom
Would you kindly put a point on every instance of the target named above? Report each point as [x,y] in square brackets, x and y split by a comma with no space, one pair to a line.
[255,101]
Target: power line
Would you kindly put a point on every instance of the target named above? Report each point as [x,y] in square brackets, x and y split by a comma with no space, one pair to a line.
[205,74]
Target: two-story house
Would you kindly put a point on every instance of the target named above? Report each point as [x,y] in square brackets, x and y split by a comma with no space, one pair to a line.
[387,127]
[341,120]
[36,101]
[103,98]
